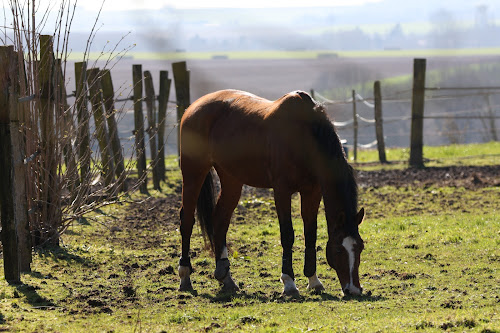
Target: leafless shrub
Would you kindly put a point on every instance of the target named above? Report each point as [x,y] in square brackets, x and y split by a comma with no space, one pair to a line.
[59,190]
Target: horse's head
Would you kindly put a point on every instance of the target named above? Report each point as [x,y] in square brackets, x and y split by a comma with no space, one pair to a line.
[343,254]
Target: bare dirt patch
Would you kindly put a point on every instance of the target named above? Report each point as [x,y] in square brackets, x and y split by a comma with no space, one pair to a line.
[469,177]
[162,214]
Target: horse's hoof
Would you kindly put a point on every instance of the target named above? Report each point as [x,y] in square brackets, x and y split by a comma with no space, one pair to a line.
[228,285]
[187,286]
[293,293]
[316,289]
[229,288]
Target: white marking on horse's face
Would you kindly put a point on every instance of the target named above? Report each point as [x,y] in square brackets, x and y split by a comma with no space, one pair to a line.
[224,254]
[348,243]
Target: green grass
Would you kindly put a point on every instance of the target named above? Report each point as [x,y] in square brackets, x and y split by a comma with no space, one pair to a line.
[435,78]
[476,154]
[306,54]
[431,263]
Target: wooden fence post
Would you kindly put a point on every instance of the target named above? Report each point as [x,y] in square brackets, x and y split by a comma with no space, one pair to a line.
[151,130]
[139,129]
[108,95]
[50,218]
[64,112]
[181,80]
[493,129]
[18,133]
[163,97]
[417,114]
[83,135]
[355,125]
[9,235]
[94,84]
[379,129]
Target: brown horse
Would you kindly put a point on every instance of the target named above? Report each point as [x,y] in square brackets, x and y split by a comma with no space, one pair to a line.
[289,145]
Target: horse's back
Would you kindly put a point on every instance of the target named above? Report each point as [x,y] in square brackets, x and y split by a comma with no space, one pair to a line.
[224,101]
[291,105]
[242,133]
[225,128]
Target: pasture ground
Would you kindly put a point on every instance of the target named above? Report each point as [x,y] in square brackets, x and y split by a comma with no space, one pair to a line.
[431,263]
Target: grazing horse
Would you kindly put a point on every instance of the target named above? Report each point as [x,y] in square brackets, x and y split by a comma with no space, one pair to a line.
[289,145]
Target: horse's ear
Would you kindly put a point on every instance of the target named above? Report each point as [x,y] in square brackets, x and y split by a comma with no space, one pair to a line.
[360,216]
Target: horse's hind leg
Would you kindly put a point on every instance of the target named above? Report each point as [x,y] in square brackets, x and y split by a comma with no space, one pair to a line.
[192,181]
[185,267]
[227,202]
[309,205]
[283,201]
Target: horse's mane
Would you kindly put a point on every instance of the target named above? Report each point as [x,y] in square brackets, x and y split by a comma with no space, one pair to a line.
[336,165]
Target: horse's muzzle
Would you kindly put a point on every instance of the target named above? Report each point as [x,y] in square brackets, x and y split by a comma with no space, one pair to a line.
[351,290]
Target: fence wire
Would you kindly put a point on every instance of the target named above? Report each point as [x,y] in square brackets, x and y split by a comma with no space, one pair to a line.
[459,120]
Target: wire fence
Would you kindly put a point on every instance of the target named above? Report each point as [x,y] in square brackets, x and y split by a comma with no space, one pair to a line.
[443,126]
[453,115]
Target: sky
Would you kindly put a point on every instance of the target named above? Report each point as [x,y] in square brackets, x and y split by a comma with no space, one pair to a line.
[114,5]
[347,13]
[137,4]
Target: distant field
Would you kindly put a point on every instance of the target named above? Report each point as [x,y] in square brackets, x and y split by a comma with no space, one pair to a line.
[300,54]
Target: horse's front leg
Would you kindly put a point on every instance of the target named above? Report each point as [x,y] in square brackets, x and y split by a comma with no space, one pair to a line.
[309,201]
[283,206]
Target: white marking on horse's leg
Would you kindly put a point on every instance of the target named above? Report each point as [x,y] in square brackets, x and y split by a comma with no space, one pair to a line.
[315,284]
[289,285]
[224,254]
[348,243]
[184,273]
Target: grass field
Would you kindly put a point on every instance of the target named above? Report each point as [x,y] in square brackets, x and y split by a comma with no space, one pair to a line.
[471,154]
[306,54]
[431,263]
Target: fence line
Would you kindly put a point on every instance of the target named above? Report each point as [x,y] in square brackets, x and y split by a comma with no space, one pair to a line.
[356,97]
[326,101]
[60,194]
[463,88]
[485,114]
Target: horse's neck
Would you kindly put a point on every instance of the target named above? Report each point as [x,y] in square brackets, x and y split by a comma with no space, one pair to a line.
[333,206]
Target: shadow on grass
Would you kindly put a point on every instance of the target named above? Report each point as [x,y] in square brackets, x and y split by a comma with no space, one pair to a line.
[227,297]
[101,212]
[32,296]
[365,298]
[83,221]
[60,253]
[307,297]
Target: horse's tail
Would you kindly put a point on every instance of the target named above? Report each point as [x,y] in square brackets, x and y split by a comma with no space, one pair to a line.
[205,207]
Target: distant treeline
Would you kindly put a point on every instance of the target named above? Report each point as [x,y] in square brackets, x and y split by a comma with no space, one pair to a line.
[445,33]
